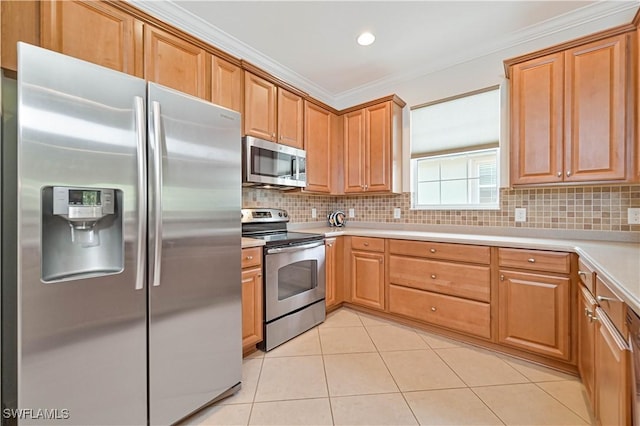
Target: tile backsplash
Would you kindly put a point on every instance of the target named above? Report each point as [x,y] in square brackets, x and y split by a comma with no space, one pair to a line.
[602,208]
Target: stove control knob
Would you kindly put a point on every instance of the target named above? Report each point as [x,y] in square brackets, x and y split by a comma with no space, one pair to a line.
[280,214]
[286,214]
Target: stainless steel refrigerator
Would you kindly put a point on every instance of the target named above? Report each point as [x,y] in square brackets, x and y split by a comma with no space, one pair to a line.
[126,302]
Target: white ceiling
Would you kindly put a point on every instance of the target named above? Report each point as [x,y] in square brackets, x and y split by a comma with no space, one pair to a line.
[311,44]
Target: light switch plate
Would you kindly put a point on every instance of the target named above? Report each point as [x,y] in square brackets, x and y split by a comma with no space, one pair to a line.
[314,213]
[521,214]
[633,216]
[397,213]
[352,212]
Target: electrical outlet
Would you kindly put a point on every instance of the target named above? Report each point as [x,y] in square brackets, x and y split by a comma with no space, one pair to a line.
[633,216]
[314,213]
[521,214]
[397,213]
[352,212]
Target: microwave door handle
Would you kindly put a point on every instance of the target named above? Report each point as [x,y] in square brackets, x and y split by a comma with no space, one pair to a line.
[294,167]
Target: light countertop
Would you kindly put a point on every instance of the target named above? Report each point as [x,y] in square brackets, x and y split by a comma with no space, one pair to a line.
[251,242]
[617,263]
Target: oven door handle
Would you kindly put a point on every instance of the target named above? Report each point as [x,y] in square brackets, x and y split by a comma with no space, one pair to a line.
[295,248]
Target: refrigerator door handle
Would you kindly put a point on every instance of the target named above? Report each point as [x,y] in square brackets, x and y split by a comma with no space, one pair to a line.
[141,136]
[157,188]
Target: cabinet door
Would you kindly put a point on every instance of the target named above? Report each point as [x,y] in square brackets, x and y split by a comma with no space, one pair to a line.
[354,151]
[226,84]
[612,388]
[175,63]
[317,137]
[367,279]
[595,111]
[330,272]
[586,336]
[537,93]
[259,107]
[290,119]
[533,313]
[20,21]
[251,306]
[95,32]
[378,148]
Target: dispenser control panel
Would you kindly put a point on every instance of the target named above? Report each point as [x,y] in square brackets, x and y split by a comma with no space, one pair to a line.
[82,203]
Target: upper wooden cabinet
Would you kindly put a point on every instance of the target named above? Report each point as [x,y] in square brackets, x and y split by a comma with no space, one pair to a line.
[176,63]
[95,32]
[271,112]
[20,21]
[226,84]
[372,148]
[321,144]
[570,115]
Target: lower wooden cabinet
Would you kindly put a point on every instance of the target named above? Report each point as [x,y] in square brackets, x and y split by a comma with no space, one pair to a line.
[534,313]
[586,337]
[251,297]
[612,397]
[333,292]
[367,279]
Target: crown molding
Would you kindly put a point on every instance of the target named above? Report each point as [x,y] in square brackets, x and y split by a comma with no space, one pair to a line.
[170,12]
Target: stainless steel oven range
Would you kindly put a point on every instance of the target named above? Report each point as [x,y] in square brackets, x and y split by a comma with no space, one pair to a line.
[294,277]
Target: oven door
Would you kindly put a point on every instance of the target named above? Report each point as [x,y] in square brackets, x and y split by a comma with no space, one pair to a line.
[294,278]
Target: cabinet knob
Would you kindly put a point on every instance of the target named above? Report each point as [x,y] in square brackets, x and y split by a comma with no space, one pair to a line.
[432,250]
[273,135]
[433,309]
[249,257]
[330,244]
[559,174]
[433,276]
[366,186]
[531,260]
[501,277]
[366,244]
[568,173]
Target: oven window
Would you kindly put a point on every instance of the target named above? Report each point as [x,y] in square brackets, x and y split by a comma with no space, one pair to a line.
[296,278]
[270,163]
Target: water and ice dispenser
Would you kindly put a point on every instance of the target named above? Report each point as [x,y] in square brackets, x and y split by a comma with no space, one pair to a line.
[82,233]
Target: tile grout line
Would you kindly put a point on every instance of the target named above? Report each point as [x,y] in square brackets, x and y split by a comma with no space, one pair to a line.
[487,405]
[255,392]
[588,421]
[326,378]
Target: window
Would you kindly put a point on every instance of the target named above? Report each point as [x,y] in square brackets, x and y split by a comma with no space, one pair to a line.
[455,152]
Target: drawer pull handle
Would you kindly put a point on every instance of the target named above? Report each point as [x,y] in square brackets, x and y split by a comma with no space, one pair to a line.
[433,309]
[531,260]
[606,299]
[433,276]
[582,274]
[249,257]
[432,250]
[330,244]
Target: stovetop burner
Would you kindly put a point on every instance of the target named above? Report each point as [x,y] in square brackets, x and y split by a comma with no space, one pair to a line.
[270,225]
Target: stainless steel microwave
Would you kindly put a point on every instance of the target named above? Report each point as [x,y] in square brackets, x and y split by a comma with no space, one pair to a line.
[271,165]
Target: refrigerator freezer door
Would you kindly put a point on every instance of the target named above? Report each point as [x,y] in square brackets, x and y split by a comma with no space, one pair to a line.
[82,341]
[195,348]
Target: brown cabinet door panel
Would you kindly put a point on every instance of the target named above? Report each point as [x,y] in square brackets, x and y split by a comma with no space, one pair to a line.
[330,272]
[95,32]
[533,313]
[318,144]
[290,119]
[586,339]
[595,138]
[537,120]
[226,84]
[175,63]
[354,151]
[367,279]
[259,107]
[378,147]
[251,307]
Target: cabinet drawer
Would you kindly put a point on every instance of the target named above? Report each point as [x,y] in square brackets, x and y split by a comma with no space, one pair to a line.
[461,252]
[470,281]
[251,257]
[537,260]
[587,276]
[612,305]
[463,315]
[369,244]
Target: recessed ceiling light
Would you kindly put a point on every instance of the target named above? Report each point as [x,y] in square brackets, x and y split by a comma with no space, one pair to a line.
[365,39]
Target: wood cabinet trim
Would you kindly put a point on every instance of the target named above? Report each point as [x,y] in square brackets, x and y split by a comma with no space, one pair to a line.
[249,67]
[393,98]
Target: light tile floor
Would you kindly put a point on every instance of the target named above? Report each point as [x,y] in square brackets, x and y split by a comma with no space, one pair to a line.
[356,369]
